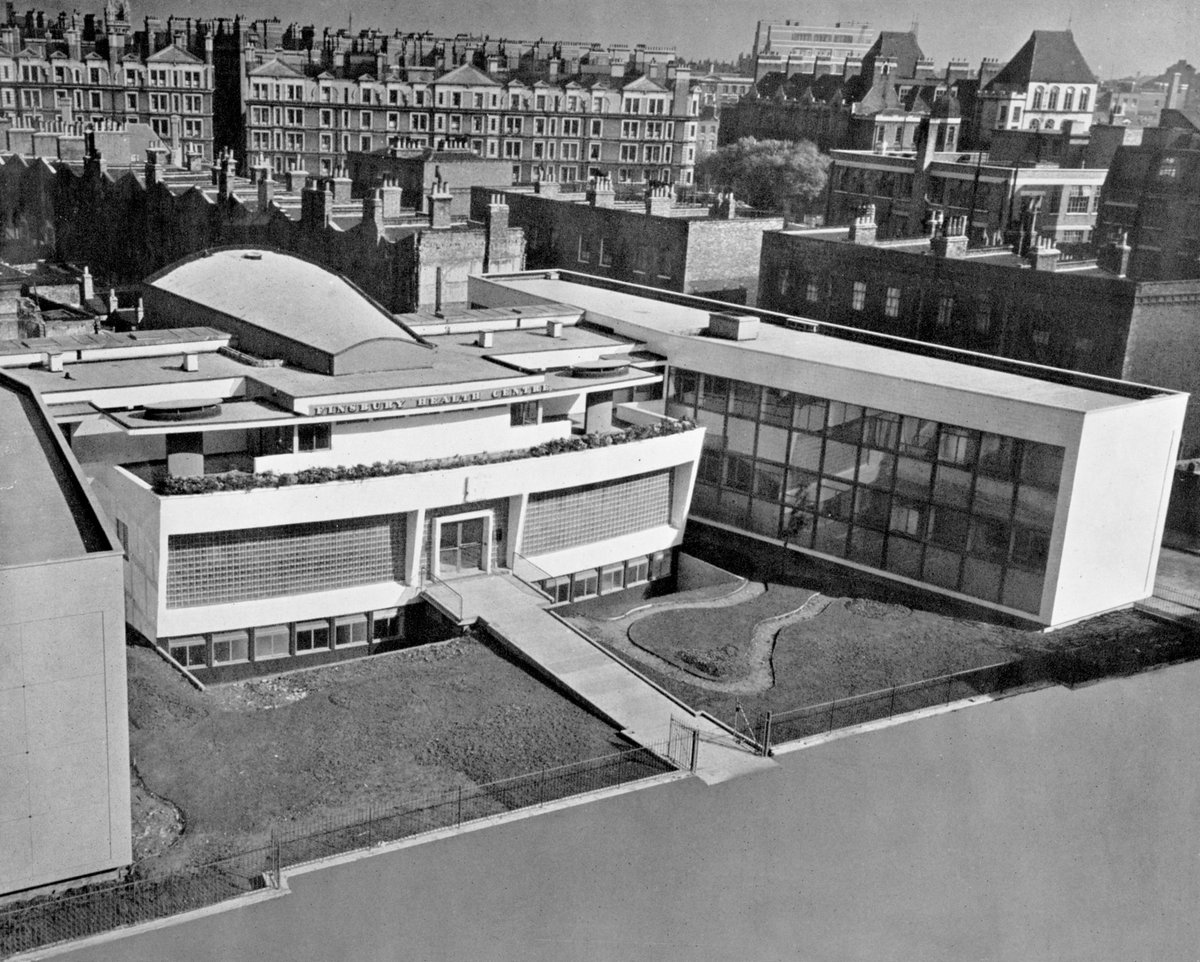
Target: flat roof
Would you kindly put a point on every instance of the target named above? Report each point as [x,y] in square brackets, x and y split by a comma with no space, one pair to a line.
[44,511]
[903,360]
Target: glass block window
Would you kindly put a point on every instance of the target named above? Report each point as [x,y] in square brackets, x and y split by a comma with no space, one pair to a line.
[596,512]
[858,297]
[216,567]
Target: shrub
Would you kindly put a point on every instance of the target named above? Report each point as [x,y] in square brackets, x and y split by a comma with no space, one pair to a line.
[168,484]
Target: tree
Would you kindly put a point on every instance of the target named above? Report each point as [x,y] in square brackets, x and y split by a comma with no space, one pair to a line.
[765,173]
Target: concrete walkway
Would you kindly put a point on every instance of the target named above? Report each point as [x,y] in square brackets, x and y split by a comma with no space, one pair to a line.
[516,615]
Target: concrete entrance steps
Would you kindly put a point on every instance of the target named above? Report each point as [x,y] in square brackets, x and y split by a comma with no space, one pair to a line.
[516,615]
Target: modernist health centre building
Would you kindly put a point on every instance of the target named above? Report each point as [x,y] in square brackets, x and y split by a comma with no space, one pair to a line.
[1032,491]
[289,466]
[292,470]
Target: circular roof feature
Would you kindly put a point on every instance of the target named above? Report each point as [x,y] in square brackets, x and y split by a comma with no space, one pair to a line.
[190,409]
[600,368]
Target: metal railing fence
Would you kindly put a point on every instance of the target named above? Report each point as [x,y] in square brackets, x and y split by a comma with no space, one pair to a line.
[51,919]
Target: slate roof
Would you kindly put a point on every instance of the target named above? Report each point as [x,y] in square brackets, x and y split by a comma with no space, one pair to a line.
[468,76]
[173,54]
[1048,56]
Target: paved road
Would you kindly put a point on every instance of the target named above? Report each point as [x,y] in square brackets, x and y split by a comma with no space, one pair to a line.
[1051,826]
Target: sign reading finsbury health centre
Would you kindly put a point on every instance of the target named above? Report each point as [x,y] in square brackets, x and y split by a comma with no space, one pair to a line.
[432,400]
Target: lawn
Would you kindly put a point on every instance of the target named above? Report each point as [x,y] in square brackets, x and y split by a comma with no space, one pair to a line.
[752,654]
[238,759]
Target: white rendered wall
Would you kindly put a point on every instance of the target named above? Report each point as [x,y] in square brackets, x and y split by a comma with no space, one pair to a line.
[1118,496]
[131,499]
[417,438]
[64,735]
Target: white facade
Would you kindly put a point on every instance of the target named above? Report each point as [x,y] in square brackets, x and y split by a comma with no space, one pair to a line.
[272,508]
[993,482]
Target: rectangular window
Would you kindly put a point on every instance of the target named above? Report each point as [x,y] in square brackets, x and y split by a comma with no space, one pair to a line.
[312,636]
[313,437]
[585,249]
[522,413]
[858,299]
[230,647]
[585,585]
[891,304]
[559,589]
[983,317]
[612,578]
[191,652]
[945,312]
[386,624]
[1078,200]
[637,571]
[811,294]
[350,630]
[123,534]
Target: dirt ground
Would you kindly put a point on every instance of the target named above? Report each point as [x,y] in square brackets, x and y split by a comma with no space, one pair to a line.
[227,764]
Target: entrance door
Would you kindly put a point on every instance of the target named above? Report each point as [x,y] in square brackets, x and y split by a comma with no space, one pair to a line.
[462,546]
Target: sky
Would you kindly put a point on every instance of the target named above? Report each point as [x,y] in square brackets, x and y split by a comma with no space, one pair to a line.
[1117,37]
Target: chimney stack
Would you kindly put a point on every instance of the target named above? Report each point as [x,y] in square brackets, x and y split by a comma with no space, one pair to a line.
[1043,255]
[87,287]
[600,192]
[659,201]
[863,229]
[439,204]
[951,241]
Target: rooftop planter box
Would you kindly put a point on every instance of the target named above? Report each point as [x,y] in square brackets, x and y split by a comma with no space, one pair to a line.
[167,485]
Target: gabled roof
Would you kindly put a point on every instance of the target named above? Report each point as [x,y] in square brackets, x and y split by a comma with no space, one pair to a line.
[644,85]
[467,76]
[275,68]
[173,54]
[1048,56]
[897,46]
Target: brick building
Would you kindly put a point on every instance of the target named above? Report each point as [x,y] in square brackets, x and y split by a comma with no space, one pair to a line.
[1150,194]
[1058,175]
[1081,315]
[128,222]
[71,69]
[873,102]
[785,46]
[653,241]
[1046,84]
[629,112]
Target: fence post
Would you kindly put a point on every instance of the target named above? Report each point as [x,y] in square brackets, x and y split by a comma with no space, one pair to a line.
[278,860]
[832,705]
[370,824]
[458,815]
[695,749]
[766,739]
[949,682]
[542,788]
[892,703]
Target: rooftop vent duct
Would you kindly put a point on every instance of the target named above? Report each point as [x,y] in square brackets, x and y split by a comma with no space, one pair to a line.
[733,327]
